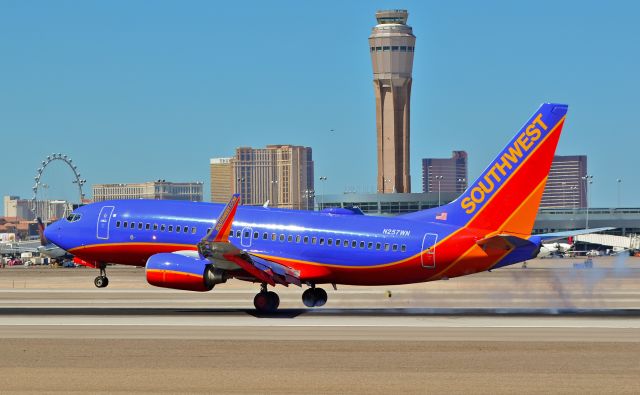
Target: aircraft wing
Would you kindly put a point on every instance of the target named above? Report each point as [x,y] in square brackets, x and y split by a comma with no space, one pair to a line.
[563,235]
[215,247]
[264,270]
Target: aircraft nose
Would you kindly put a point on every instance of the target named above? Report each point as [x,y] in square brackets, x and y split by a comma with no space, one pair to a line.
[52,233]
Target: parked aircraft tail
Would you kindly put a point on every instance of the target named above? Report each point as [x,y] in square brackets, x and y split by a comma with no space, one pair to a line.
[506,196]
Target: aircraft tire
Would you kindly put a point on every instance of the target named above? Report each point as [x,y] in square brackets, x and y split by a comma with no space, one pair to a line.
[309,297]
[320,296]
[274,300]
[266,302]
[101,281]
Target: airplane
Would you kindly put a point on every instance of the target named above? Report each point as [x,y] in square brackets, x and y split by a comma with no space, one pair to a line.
[196,246]
[558,248]
[47,248]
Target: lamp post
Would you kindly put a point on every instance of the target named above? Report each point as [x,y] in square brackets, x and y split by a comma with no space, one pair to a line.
[439,178]
[322,181]
[588,179]
[308,194]
[619,181]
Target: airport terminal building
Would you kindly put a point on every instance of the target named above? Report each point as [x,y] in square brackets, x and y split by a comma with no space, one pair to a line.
[625,220]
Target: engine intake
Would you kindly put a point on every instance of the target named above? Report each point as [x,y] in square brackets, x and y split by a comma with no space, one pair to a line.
[177,271]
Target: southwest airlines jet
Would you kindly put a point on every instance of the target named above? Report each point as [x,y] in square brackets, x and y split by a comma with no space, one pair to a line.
[195,246]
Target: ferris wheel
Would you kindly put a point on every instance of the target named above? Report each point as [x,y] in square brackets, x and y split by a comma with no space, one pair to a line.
[48,160]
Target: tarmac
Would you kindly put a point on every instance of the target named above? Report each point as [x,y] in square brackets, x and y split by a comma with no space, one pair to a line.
[548,328]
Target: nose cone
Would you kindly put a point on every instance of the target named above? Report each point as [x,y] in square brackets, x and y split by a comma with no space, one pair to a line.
[53,233]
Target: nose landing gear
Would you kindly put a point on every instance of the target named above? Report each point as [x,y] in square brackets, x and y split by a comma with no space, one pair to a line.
[101,281]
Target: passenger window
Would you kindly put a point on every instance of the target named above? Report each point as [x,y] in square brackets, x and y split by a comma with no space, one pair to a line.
[273,236]
[313,240]
[185,229]
[193,230]
[147,226]
[378,246]
[171,228]
[162,228]
[346,243]
[155,226]
[281,237]
[321,241]
[337,242]
[237,233]
[290,238]
[140,225]
[386,246]
[370,245]
[306,239]
[403,248]
[132,225]
[255,235]
[246,234]
[125,224]
[265,236]
[178,228]
[394,247]
[354,244]
[298,239]
[329,242]
[117,224]
[362,244]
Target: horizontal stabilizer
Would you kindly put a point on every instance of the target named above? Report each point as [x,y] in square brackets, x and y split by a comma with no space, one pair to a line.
[503,242]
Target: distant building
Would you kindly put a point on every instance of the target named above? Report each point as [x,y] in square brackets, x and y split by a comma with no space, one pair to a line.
[451,173]
[48,210]
[221,179]
[391,45]
[159,190]
[281,174]
[565,186]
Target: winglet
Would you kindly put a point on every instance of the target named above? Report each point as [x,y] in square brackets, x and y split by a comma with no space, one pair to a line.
[220,232]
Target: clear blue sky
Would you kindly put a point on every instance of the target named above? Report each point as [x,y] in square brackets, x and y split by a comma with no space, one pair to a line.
[141,90]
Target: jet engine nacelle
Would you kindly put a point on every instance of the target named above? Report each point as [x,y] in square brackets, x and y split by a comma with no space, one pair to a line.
[177,271]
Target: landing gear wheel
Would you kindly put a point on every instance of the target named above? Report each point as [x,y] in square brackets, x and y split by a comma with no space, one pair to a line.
[309,297]
[101,281]
[321,297]
[274,300]
[266,302]
[314,297]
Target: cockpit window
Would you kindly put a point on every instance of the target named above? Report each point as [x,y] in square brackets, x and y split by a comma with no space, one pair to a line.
[73,217]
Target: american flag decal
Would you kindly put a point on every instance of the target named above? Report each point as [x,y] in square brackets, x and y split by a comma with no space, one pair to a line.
[442,216]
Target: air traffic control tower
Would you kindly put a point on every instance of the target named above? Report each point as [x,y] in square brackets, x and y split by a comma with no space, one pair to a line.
[392,44]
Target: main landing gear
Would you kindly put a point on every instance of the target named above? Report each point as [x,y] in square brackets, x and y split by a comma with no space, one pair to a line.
[266,301]
[314,297]
[101,281]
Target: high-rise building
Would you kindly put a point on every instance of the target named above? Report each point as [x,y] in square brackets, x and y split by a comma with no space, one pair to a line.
[159,190]
[47,210]
[566,186]
[445,174]
[392,45]
[221,179]
[280,174]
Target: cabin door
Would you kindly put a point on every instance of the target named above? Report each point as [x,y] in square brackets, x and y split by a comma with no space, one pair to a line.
[245,239]
[428,255]
[103,222]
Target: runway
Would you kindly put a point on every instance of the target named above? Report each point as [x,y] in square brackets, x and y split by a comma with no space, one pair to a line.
[548,328]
